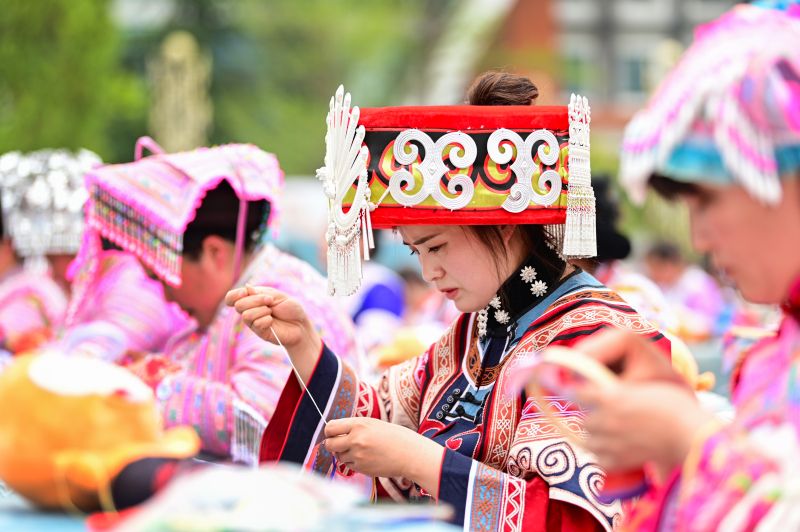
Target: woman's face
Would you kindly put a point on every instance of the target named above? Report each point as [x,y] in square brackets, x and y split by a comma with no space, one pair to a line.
[205,280]
[757,246]
[456,263]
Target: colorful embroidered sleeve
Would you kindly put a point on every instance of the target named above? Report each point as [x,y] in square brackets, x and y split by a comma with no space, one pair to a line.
[549,484]
[746,474]
[483,497]
[296,428]
[203,397]
[742,476]
[124,310]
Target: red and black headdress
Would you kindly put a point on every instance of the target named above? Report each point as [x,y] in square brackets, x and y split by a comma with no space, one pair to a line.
[454,165]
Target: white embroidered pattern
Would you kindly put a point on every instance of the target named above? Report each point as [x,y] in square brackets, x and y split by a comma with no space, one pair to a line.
[499,147]
[433,168]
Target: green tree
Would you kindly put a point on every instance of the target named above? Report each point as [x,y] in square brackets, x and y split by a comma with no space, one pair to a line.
[301,51]
[60,84]
[276,63]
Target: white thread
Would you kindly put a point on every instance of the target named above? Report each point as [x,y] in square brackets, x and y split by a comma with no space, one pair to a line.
[299,378]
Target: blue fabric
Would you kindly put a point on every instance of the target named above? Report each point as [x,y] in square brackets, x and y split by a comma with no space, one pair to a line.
[382,297]
[454,482]
[699,160]
[18,515]
[579,280]
[781,5]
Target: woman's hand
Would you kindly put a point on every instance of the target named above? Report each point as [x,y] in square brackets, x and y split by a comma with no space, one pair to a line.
[380,449]
[639,423]
[268,313]
[265,309]
[650,416]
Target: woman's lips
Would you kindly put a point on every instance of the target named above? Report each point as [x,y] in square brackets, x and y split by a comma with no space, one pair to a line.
[450,293]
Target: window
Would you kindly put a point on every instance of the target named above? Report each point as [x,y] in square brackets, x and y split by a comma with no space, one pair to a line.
[632,72]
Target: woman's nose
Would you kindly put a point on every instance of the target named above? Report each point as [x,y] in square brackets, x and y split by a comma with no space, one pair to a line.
[430,269]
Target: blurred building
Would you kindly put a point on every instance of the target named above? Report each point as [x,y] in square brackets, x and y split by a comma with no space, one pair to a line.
[612,51]
[615,51]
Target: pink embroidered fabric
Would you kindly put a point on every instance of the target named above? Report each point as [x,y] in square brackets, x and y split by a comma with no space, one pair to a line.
[124,310]
[747,471]
[29,302]
[145,206]
[229,362]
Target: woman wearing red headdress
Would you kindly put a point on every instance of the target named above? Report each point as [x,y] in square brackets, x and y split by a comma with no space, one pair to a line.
[488,232]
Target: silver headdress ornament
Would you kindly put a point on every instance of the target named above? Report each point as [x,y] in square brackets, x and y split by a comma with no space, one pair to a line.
[579,228]
[345,163]
[43,194]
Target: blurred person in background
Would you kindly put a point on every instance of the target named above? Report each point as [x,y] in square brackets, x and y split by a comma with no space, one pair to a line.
[115,308]
[377,308]
[428,314]
[209,210]
[425,303]
[608,267]
[42,223]
[723,134]
[694,295]
[111,307]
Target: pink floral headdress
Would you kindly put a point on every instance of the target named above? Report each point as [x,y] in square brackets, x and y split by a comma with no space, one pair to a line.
[729,112]
[145,206]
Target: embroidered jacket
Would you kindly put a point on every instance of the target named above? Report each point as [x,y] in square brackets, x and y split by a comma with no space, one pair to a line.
[120,309]
[505,466]
[746,473]
[228,361]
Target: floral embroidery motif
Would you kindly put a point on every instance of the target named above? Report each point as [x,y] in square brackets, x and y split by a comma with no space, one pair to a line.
[528,274]
[538,288]
[502,317]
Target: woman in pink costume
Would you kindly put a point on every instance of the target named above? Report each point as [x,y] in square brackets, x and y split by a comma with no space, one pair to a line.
[196,221]
[42,222]
[722,133]
[116,309]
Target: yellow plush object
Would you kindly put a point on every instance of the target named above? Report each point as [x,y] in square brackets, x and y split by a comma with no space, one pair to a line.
[405,345]
[68,425]
[683,363]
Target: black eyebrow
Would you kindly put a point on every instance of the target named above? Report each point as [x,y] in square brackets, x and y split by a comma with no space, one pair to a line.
[421,240]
